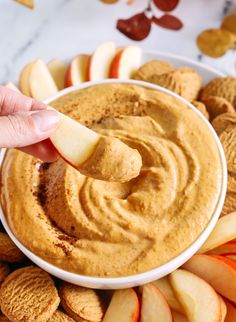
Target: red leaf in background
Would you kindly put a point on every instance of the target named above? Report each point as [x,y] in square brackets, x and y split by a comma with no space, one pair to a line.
[168,21]
[136,27]
[166,5]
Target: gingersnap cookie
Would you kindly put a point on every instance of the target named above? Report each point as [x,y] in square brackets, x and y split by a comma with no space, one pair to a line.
[4,319]
[202,108]
[228,141]
[59,316]
[80,303]
[28,294]
[215,42]
[217,105]
[184,81]
[221,122]
[154,67]
[4,271]
[229,23]
[8,250]
[222,87]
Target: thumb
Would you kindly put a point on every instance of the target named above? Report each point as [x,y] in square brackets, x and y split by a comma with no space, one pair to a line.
[25,128]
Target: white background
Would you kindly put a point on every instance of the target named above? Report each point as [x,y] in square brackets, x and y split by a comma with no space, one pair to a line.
[64,28]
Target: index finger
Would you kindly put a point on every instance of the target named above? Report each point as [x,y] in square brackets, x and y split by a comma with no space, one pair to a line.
[12,102]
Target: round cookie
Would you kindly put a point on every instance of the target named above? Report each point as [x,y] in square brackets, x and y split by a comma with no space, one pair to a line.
[154,67]
[28,294]
[8,250]
[59,316]
[4,319]
[80,303]
[184,81]
[4,271]
[222,87]
[217,105]
[221,122]
[202,108]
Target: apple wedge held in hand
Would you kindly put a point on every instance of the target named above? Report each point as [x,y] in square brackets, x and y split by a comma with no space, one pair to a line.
[100,157]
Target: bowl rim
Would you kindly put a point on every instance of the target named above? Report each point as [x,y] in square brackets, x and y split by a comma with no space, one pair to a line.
[152,274]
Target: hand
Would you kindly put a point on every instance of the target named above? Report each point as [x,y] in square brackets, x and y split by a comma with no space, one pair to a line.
[26,124]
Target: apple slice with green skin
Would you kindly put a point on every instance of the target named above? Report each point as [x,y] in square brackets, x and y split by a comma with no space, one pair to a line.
[58,72]
[73,141]
[231,312]
[154,306]
[225,249]
[198,298]
[24,80]
[124,307]
[164,286]
[100,62]
[218,271]
[126,62]
[41,83]
[224,231]
[77,71]
[178,317]
[12,86]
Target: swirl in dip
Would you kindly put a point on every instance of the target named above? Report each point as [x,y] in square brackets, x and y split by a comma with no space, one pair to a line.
[109,229]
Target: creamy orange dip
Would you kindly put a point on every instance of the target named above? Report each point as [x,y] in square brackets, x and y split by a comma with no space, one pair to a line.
[104,229]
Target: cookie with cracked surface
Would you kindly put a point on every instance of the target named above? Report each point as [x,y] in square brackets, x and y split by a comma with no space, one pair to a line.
[28,294]
[80,303]
[8,250]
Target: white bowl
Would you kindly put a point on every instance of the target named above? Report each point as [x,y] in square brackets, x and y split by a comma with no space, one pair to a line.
[138,279]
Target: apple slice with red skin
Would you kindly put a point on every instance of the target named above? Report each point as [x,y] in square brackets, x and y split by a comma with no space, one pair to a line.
[41,83]
[78,150]
[77,71]
[230,256]
[100,62]
[126,62]
[224,231]
[124,307]
[231,312]
[154,306]
[24,80]
[223,308]
[218,271]
[164,286]
[58,72]
[12,86]
[178,317]
[198,298]
[225,249]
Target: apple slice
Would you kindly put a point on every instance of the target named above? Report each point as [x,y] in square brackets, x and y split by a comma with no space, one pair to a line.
[100,62]
[231,256]
[164,286]
[41,83]
[154,305]
[218,271]
[58,72]
[225,249]
[124,307]
[231,312]
[178,317]
[24,80]
[126,62]
[77,71]
[12,86]
[224,231]
[73,141]
[223,308]
[198,298]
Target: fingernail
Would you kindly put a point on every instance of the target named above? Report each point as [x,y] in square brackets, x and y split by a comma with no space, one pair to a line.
[45,120]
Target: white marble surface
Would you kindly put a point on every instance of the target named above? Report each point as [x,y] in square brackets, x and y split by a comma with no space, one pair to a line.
[63,28]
